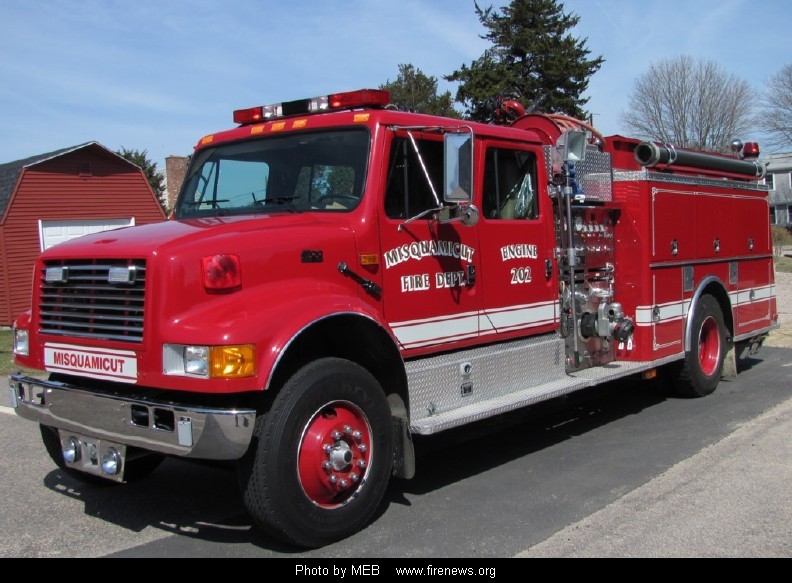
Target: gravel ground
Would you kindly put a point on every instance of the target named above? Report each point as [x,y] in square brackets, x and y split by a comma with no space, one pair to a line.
[782,338]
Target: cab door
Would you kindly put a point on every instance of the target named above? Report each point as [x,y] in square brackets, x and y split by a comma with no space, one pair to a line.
[430,281]
[518,275]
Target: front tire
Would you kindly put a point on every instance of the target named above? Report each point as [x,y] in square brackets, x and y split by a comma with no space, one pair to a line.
[321,457]
[700,371]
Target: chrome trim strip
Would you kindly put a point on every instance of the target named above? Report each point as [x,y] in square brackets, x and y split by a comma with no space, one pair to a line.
[658,265]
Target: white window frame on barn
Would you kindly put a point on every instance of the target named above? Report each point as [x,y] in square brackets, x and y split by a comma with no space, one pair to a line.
[72,228]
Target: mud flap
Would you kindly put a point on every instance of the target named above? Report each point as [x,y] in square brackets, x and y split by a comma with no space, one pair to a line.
[403,451]
[729,372]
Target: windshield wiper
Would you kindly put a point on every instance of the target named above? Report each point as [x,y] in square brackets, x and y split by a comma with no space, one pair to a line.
[281,200]
[212,203]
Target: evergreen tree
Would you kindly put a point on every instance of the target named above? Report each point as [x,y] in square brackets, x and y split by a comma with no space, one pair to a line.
[534,59]
[155,179]
[414,91]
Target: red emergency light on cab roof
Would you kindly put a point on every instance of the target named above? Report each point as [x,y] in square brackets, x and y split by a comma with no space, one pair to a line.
[360,98]
[334,101]
[251,115]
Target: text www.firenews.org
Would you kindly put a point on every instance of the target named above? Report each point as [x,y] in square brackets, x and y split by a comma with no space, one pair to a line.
[448,571]
[374,569]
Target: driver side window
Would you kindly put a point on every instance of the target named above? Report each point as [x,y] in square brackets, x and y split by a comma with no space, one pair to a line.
[408,193]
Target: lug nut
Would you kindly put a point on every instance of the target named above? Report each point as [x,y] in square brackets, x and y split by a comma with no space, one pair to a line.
[327,448]
[347,429]
[343,483]
[354,477]
[333,479]
[336,435]
[362,447]
[357,435]
[327,466]
[361,464]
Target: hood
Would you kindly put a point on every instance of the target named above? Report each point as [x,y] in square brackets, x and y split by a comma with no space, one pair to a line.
[169,236]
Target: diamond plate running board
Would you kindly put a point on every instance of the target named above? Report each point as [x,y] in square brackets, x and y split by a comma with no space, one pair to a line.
[501,404]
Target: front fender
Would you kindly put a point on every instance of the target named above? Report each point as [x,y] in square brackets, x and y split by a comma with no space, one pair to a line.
[270,317]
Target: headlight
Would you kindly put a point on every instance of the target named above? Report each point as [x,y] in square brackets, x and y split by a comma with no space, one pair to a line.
[216,362]
[196,360]
[21,342]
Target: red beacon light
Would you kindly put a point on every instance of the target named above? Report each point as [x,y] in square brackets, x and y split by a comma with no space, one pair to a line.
[373,98]
[751,150]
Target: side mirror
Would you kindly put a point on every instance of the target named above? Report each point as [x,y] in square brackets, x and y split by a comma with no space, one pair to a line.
[458,167]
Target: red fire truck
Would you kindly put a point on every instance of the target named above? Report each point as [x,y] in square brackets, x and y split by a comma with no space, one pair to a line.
[339,275]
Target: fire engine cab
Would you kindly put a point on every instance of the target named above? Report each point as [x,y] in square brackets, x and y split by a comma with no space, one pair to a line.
[339,276]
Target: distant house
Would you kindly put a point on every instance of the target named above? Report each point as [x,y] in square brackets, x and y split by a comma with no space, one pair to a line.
[50,198]
[779,181]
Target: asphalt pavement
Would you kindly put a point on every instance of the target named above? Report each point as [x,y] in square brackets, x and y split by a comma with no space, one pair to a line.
[730,498]
[737,489]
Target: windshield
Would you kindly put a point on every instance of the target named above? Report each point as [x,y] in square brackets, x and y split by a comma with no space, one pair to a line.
[318,171]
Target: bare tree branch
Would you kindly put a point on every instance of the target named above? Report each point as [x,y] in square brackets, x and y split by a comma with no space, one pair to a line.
[775,116]
[689,103]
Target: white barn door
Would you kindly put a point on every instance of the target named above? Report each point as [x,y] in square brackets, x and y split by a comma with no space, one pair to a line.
[54,232]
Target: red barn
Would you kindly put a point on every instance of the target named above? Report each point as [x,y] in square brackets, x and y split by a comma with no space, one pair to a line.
[53,197]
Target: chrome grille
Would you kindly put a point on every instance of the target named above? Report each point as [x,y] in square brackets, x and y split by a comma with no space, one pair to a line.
[79,299]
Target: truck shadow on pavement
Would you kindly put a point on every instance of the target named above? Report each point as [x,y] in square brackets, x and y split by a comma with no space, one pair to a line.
[185,498]
[458,453]
[202,501]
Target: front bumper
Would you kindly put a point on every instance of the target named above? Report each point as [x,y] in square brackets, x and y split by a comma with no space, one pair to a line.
[150,424]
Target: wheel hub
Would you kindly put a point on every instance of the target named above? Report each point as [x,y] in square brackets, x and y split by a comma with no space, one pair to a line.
[340,456]
[334,454]
[709,346]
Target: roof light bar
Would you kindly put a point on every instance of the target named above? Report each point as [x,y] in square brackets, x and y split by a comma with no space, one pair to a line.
[334,101]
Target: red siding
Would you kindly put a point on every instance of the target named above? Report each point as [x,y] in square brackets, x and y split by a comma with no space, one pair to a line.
[5,299]
[55,190]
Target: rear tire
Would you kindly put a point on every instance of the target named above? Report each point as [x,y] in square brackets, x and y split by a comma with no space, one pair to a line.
[321,457]
[700,371]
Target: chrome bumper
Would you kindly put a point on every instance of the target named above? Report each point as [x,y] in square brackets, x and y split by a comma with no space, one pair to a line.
[164,427]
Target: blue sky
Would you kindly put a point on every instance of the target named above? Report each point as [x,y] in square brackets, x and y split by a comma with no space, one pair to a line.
[158,75]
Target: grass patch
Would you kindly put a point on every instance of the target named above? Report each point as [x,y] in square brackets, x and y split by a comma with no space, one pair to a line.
[784,264]
[7,365]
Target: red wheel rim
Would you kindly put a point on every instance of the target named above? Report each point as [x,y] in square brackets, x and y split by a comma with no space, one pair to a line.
[709,346]
[335,454]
